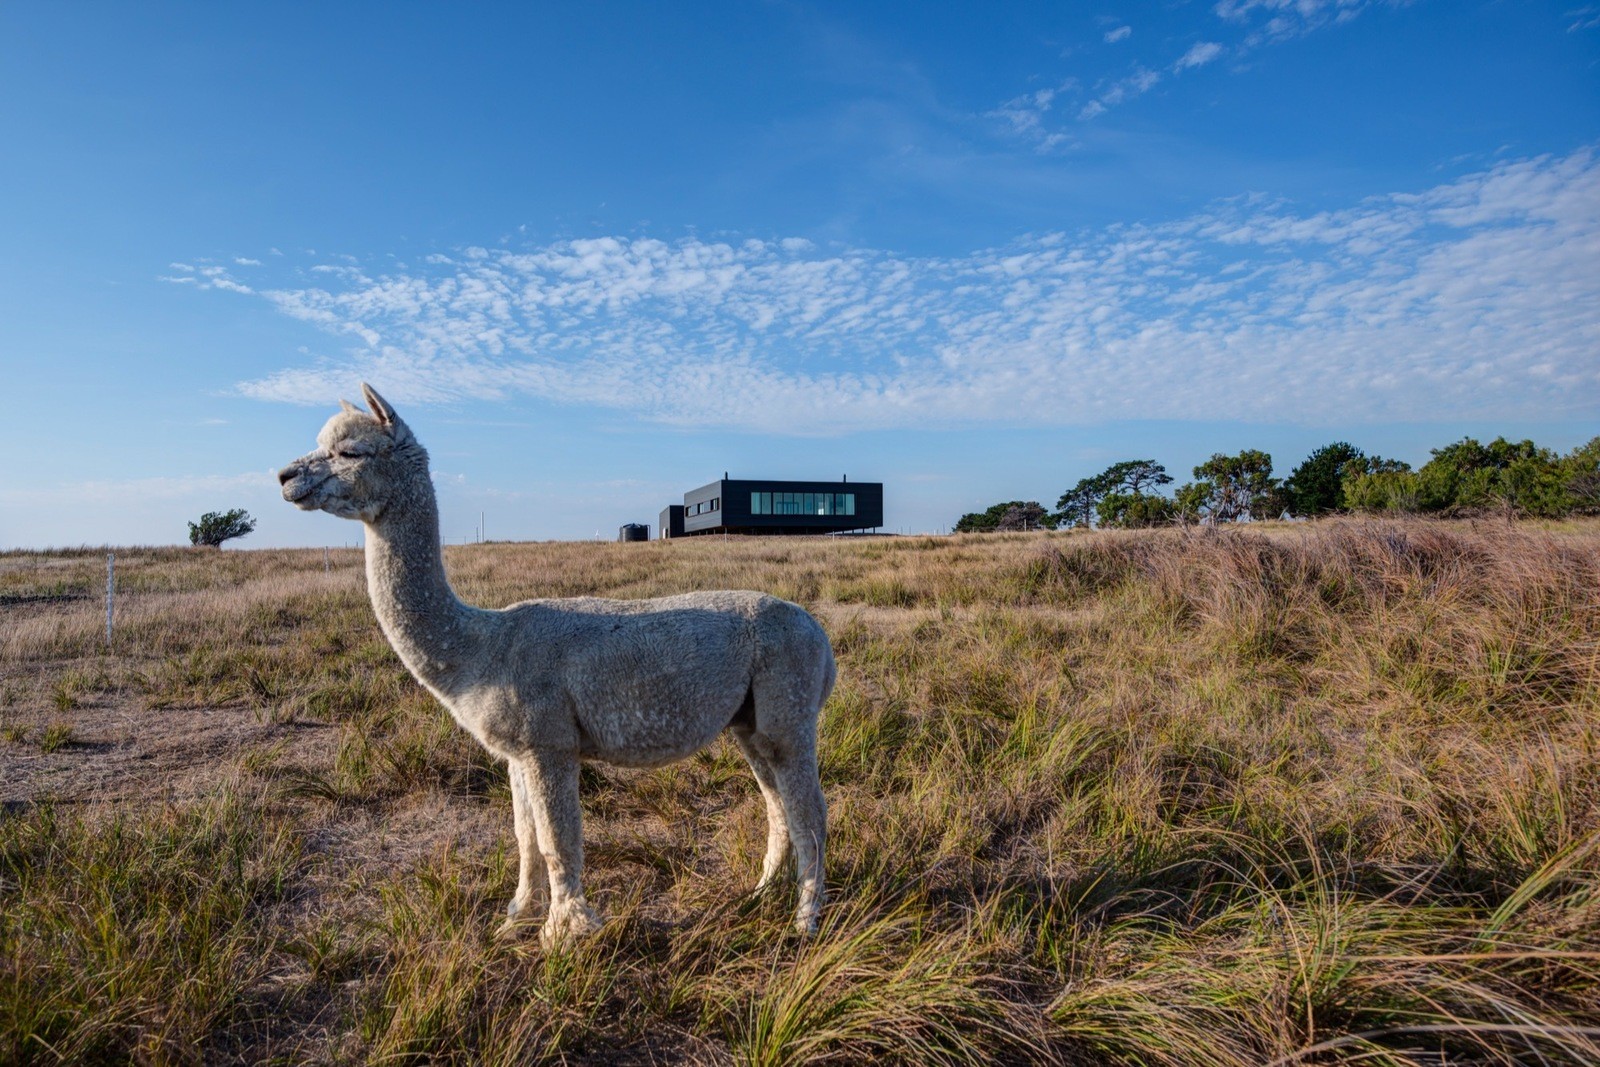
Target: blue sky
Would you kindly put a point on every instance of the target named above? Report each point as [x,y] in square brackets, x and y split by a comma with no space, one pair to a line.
[599,254]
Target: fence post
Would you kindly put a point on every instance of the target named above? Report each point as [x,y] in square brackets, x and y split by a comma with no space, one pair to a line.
[111,591]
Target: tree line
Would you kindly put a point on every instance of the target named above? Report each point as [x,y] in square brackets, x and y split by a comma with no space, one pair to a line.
[1513,477]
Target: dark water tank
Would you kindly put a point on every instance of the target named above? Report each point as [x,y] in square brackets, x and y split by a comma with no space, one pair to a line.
[634,531]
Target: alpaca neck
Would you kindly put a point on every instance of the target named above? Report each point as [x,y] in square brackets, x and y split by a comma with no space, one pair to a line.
[411,596]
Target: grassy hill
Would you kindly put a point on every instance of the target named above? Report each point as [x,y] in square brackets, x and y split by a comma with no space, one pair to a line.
[1311,794]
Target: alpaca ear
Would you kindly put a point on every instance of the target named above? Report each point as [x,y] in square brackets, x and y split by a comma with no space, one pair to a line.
[345,405]
[380,407]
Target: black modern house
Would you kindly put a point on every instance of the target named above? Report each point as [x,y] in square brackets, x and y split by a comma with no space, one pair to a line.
[755,506]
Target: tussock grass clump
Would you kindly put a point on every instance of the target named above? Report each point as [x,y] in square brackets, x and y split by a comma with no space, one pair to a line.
[138,937]
[879,983]
[1327,793]
[1289,961]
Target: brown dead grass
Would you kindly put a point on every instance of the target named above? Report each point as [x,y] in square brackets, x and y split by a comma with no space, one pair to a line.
[1321,793]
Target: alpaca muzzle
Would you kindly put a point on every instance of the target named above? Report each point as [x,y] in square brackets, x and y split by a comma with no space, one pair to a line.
[297,482]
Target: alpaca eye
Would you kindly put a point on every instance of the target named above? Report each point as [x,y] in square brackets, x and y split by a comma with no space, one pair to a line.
[349,455]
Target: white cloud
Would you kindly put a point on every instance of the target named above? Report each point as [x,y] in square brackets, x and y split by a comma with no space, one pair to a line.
[1279,20]
[1138,83]
[1250,24]
[1478,297]
[212,277]
[1024,116]
[1199,55]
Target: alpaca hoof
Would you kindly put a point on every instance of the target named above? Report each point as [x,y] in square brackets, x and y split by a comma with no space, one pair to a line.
[805,917]
[519,917]
[568,926]
[514,927]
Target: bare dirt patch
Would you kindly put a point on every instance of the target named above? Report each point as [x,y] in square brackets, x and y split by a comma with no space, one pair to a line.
[118,750]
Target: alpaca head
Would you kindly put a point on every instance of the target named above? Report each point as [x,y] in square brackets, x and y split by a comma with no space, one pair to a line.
[363,463]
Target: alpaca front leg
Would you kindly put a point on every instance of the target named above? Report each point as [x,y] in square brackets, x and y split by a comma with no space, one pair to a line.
[558,821]
[530,860]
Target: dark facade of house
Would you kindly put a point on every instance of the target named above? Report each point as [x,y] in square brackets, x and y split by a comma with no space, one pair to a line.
[763,506]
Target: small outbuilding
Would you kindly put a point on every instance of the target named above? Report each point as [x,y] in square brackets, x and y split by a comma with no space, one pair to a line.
[671,521]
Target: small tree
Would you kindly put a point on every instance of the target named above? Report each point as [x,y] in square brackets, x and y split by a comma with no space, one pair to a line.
[991,519]
[216,527]
[1084,502]
[1133,510]
[1315,487]
[1189,502]
[1126,503]
[1076,506]
[1233,486]
[1581,477]
[1372,483]
[1133,476]
[1027,516]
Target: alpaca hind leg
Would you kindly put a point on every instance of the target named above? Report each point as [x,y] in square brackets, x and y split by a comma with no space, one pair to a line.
[777,821]
[558,822]
[801,789]
[530,860]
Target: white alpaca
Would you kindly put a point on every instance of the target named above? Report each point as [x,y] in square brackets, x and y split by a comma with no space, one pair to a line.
[547,683]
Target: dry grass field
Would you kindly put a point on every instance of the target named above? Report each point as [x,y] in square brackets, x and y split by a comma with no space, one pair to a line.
[1300,795]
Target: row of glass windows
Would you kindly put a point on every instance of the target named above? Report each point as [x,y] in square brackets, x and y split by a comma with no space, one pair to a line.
[802,503]
[704,506]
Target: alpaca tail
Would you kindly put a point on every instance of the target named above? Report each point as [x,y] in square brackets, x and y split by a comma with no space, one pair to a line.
[830,675]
